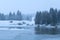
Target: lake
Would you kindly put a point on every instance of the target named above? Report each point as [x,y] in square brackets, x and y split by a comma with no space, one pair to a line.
[25,34]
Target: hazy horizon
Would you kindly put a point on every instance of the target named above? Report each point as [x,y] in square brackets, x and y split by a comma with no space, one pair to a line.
[27,6]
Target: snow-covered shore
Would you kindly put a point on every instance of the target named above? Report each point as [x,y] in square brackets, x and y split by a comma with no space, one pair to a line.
[5,24]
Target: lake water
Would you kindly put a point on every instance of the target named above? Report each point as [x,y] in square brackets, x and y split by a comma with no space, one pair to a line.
[26,34]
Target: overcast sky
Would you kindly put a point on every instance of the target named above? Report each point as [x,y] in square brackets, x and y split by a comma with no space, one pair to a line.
[27,6]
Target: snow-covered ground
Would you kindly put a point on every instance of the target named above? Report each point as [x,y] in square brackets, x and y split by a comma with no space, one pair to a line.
[23,23]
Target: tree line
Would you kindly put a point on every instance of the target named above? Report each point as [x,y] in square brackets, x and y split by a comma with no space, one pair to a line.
[11,16]
[48,17]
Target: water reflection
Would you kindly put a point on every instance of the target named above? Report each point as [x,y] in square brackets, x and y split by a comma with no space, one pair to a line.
[45,30]
[37,30]
[30,34]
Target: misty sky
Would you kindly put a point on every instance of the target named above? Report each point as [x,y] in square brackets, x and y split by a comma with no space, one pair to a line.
[27,6]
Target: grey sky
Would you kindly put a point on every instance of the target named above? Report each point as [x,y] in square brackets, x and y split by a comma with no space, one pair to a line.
[27,6]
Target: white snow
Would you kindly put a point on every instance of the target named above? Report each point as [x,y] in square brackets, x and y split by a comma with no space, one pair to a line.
[49,26]
[5,24]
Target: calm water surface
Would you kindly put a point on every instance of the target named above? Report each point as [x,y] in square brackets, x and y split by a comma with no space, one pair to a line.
[25,34]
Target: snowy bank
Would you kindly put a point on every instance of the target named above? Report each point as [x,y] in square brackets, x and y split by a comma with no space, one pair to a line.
[23,23]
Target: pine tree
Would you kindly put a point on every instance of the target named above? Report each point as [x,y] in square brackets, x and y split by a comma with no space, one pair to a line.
[19,16]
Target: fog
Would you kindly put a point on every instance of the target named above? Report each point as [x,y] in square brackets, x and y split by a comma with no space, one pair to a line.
[27,6]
